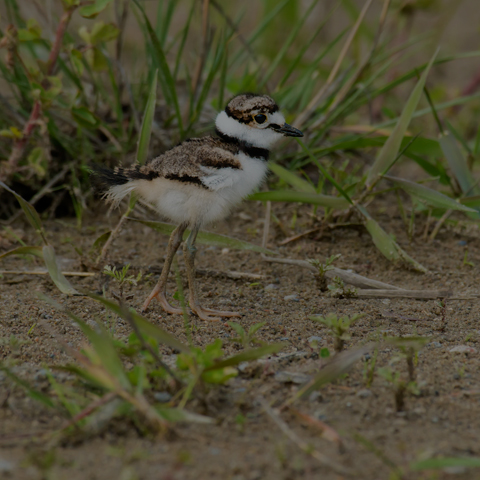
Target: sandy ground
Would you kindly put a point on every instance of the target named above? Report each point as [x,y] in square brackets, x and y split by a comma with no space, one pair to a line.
[442,420]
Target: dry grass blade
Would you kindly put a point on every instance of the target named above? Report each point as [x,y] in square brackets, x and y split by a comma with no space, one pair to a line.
[326,431]
[323,459]
[312,105]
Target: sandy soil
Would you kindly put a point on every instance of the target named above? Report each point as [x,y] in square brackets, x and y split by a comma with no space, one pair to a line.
[443,420]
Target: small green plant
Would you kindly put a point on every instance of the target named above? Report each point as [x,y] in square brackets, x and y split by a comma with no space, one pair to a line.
[369,369]
[338,289]
[338,327]
[466,262]
[409,348]
[322,269]
[247,339]
[120,277]
[400,386]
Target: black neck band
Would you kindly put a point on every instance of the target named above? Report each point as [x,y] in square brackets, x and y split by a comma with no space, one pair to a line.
[245,147]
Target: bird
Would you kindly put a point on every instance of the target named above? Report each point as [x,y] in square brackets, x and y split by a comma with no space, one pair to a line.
[200,180]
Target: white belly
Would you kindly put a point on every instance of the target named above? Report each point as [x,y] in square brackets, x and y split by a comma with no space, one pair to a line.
[182,202]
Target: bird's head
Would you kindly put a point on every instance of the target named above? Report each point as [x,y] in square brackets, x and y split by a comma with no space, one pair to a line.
[254,119]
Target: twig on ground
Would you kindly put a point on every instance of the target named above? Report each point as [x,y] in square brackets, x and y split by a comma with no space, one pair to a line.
[45,272]
[229,274]
[418,294]
[348,277]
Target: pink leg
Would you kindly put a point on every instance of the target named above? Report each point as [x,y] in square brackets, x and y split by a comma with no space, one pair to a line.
[189,251]
[159,290]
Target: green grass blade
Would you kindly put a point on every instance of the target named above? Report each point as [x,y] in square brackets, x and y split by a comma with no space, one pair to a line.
[388,247]
[181,415]
[55,273]
[247,356]
[382,240]
[301,197]
[146,130]
[287,44]
[161,63]
[299,56]
[102,344]
[143,324]
[458,164]
[429,196]
[35,394]
[185,31]
[206,238]
[292,179]
[440,463]
[30,212]
[391,147]
[325,172]
[28,250]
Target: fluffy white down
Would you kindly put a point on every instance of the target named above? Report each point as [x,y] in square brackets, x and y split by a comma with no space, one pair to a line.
[259,136]
[181,202]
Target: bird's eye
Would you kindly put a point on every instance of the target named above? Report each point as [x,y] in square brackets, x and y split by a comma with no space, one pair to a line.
[260,118]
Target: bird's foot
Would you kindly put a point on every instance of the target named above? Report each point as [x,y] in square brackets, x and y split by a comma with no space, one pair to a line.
[211,314]
[160,296]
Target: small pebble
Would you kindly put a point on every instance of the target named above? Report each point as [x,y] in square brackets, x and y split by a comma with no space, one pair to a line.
[162,397]
[292,377]
[271,286]
[436,344]
[463,349]
[291,298]
[462,243]
[6,466]
[364,393]
[457,470]
[315,397]
[41,375]
[315,339]
[225,251]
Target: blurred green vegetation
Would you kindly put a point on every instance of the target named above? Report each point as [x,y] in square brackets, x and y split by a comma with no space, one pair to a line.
[76,77]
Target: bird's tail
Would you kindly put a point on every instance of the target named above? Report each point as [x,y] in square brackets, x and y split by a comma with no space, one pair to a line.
[118,183]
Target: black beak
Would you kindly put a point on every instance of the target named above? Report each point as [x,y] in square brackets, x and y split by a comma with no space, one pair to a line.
[287,130]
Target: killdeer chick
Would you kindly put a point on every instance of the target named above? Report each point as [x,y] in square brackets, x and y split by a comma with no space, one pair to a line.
[200,180]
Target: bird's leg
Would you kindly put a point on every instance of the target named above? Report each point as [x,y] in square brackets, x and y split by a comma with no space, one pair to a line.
[189,251]
[160,288]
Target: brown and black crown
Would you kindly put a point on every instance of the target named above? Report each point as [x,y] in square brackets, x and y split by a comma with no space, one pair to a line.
[241,106]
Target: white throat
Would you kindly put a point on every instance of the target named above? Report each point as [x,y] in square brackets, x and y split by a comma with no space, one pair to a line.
[258,137]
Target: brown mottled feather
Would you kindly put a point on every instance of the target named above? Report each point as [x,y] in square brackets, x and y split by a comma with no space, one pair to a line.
[185,161]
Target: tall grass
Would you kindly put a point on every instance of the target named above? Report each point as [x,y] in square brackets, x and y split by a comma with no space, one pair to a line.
[86,99]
